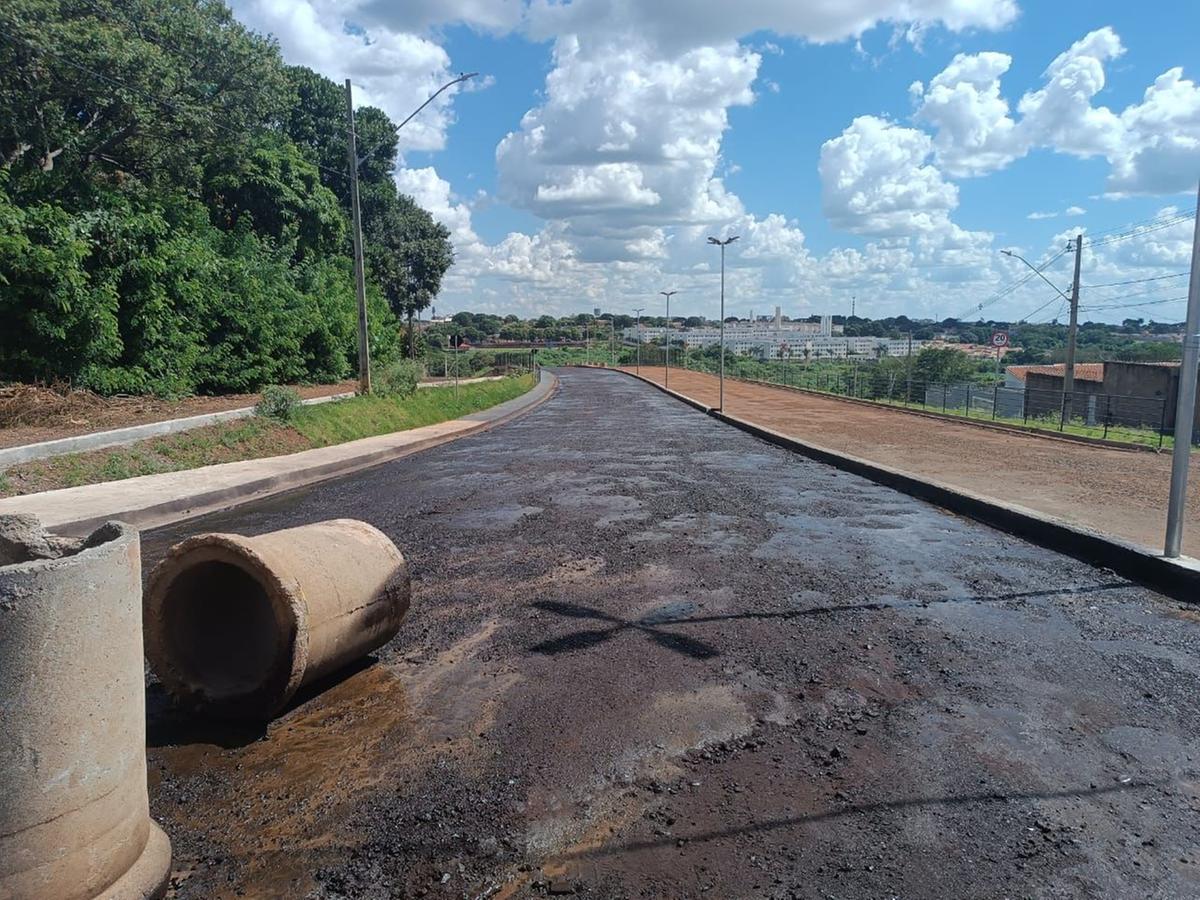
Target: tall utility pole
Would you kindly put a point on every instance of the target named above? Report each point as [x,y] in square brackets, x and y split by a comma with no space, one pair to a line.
[1069,368]
[667,363]
[722,244]
[360,284]
[364,350]
[639,339]
[1185,408]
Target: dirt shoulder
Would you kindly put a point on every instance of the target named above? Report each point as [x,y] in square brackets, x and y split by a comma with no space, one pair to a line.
[48,415]
[1118,492]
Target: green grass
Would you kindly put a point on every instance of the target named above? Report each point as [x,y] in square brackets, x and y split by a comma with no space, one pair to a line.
[360,417]
[313,426]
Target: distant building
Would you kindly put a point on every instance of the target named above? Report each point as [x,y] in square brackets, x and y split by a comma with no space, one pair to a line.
[1126,393]
[596,312]
[773,338]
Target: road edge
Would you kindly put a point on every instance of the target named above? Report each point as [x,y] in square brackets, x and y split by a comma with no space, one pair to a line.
[179,509]
[1178,578]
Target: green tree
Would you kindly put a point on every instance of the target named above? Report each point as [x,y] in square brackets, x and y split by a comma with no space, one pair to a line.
[942,365]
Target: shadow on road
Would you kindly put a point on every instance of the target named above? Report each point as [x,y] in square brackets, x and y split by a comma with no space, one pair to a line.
[651,626]
[864,808]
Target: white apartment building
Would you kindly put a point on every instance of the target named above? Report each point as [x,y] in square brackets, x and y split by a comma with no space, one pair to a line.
[779,340]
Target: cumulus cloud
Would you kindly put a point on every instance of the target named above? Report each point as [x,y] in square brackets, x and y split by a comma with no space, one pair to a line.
[626,139]
[679,24]
[1151,146]
[393,69]
[876,179]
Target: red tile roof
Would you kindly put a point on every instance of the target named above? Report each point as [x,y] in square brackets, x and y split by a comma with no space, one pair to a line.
[1083,371]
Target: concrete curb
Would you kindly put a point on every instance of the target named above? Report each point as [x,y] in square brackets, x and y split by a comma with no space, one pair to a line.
[1179,578]
[61,509]
[98,440]
[117,437]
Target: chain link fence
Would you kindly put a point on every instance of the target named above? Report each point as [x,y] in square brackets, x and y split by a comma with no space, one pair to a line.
[1085,412]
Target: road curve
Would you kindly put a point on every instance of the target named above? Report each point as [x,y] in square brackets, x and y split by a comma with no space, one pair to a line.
[650,655]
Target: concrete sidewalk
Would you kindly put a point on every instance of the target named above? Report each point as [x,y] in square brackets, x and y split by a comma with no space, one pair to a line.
[152,500]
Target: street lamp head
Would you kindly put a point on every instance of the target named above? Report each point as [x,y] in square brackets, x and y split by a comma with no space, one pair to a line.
[730,240]
[1008,253]
[713,240]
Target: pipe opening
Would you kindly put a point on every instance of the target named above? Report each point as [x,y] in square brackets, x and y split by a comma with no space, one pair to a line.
[220,631]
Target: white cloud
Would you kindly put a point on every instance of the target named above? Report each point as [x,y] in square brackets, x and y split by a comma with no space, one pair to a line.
[676,24]
[876,179]
[1152,146]
[395,70]
[963,103]
[625,139]
[1069,211]
[1162,153]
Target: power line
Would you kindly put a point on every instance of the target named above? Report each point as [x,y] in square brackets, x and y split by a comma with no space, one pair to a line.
[1012,286]
[1029,317]
[1147,229]
[1132,305]
[1135,280]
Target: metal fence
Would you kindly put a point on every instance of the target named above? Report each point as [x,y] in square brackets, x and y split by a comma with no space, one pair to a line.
[1140,420]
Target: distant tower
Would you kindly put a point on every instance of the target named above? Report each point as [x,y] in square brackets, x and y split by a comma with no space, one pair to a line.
[827,325]
[852,299]
[778,319]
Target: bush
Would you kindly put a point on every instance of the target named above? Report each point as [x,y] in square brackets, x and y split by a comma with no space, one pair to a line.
[278,403]
[399,378]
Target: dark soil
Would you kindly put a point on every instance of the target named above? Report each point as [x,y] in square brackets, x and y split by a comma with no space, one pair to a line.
[651,656]
[29,415]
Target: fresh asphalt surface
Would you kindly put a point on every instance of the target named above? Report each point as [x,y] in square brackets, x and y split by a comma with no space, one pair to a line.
[652,656]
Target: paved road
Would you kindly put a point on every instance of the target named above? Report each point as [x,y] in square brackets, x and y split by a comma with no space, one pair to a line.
[652,656]
[1122,492]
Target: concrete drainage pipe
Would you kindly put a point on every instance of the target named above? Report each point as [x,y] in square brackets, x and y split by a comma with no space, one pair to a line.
[236,625]
[74,819]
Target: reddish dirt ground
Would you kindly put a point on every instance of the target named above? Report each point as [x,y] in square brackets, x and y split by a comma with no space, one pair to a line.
[1118,492]
[105,413]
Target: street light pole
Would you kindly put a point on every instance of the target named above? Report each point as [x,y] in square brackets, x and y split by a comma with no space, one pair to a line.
[1185,408]
[360,288]
[639,339]
[667,362]
[722,244]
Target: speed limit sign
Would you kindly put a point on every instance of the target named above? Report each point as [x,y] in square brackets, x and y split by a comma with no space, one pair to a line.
[999,339]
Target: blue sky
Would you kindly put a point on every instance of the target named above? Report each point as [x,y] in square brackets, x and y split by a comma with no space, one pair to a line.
[607,138]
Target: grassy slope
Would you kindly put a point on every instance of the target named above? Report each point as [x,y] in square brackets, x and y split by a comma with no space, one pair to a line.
[313,426]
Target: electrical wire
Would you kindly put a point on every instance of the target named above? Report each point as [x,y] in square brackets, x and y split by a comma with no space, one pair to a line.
[1143,230]
[1132,305]
[1131,227]
[1134,281]
[1014,285]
